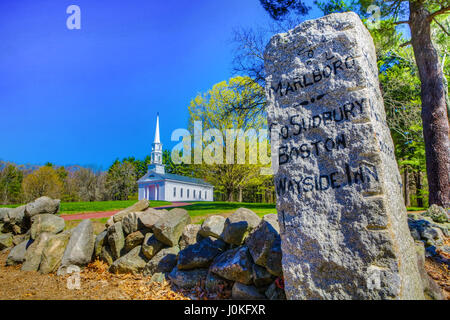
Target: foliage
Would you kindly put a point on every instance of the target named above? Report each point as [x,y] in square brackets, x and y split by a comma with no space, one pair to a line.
[42,182]
[10,183]
[229,105]
[121,180]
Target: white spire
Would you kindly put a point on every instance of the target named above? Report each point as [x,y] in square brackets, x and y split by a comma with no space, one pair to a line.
[157,130]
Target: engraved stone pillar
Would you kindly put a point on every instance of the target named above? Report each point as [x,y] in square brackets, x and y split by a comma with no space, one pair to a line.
[339,196]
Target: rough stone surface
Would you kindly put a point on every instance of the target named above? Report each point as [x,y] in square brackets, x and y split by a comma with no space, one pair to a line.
[133,240]
[430,287]
[141,205]
[217,284]
[187,279]
[116,239]
[46,223]
[6,240]
[213,226]
[149,217]
[17,254]
[238,226]
[273,292]
[235,264]
[261,277]
[106,255]
[130,223]
[4,214]
[159,277]
[15,221]
[201,254]
[53,252]
[132,262]
[244,292]
[42,205]
[151,245]
[262,239]
[190,235]
[100,241]
[33,256]
[168,228]
[164,261]
[437,214]
[274,259]
[339,197]
[80,248]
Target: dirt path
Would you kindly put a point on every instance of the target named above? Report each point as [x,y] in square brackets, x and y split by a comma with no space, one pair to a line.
[105,214]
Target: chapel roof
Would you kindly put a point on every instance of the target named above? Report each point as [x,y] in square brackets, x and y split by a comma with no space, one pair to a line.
[152,176]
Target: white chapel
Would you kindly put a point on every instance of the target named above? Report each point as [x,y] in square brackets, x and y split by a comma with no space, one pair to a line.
[156,184]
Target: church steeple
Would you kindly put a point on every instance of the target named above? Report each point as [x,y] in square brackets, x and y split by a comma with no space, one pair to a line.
[157,145]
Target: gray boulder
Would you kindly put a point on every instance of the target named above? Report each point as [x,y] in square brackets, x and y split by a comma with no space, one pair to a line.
[159,277]
[100,241]
[190,235]
[4,214]
[53,252]
[164,261]
[217,284]
[273,262]
[168,229]
[235,265]
[132,223]
[141,205]
[133,240]
[106,255]
[239,225]
[430,287]
[149,217]
[188,279]
[6,240]
[133,262]
[17,254]
[262,239]
[244,292]
[116,239]
[437,214]
[213,226]
[46,223]
[261,277]
[273,292]
[19,238]
[80,248]
[42,205]
[151,245]
[33,255]
[15,221]
[201,254]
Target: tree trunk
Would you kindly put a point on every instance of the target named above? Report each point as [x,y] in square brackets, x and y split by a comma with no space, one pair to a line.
[240,194]
[406,187]
[434,109]
[419,189]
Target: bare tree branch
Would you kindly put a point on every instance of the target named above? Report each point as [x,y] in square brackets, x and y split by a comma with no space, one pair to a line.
[441,26]
[438,12]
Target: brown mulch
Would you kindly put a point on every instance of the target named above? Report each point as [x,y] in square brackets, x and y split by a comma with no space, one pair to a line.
[96,283]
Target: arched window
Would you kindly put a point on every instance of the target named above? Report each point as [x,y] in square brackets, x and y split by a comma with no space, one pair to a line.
[206,197]
[194,194]
[187,193]
[181,193]
[174,191]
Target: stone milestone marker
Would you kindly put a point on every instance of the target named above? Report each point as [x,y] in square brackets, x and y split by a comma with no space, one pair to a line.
[343,222]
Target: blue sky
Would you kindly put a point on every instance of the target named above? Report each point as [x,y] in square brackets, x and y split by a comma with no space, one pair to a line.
[90,96]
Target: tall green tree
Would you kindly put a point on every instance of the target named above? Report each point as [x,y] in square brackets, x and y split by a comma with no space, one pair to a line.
[228,105]
[420,16]
[10,184]
[121,180]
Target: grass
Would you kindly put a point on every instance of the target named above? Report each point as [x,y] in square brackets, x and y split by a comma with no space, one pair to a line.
[416,209]
[96,206]
[217,207]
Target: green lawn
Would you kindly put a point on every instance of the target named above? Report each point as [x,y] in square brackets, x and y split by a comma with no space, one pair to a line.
[97,206]
[207,208]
